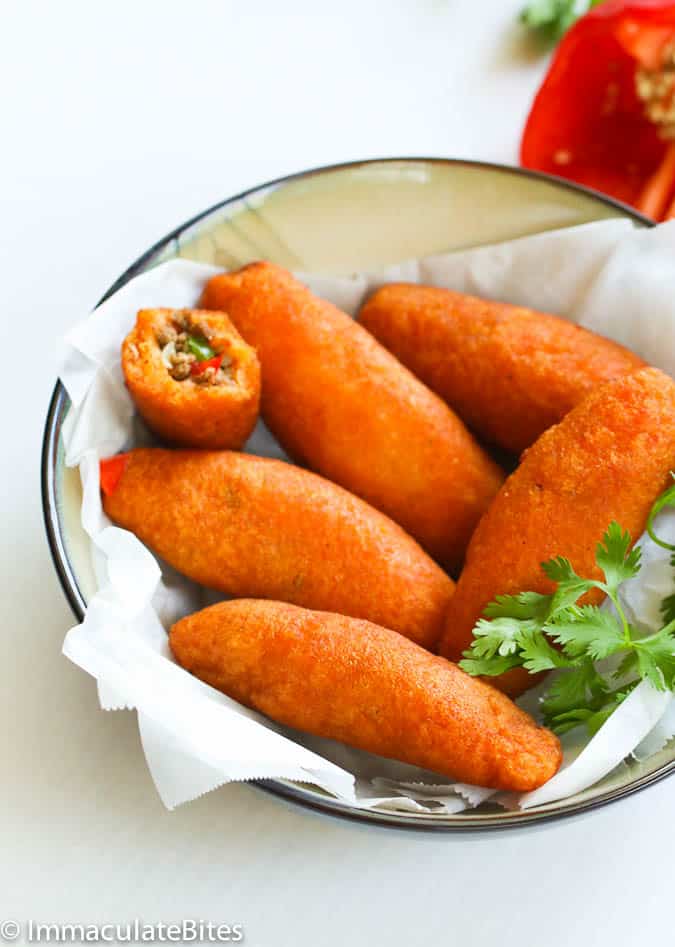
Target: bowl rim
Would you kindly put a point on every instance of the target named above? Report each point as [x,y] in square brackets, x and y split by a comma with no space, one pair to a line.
[280,788]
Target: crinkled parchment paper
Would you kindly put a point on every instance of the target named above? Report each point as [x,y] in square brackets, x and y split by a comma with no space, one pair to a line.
[608,276]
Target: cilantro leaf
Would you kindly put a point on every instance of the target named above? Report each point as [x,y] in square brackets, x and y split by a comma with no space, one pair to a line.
[570,585]
[569,691]
[488,667]
[567,704]
[649,670]
[525,605]
[600,717]
[560,570]
[587,629]
[511,621]
[656,658]
[592,719]
[499,636]
[627,665]
[537,654]
[569,721]
[668,609]
[615,557]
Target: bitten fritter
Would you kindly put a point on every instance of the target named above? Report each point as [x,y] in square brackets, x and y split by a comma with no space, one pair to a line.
[510,373]
[367,686]
[341,404]
[252,526]
[608,459]
[194,380]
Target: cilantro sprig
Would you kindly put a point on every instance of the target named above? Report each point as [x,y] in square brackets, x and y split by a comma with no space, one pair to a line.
[559,632]
[550,19]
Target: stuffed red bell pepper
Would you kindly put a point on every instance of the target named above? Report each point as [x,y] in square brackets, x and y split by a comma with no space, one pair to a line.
[605,113]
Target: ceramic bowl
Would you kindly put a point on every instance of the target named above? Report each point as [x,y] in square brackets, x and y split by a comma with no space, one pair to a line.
[335,219]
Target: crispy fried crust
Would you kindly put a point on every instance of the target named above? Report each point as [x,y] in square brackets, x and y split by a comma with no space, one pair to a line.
[251,526]
[367,686]
[510,373]
[607,460]
[344,406]
[182,412]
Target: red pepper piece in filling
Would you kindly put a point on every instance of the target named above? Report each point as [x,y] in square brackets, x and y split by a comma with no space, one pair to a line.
[110,471]
[604,115]
[196,368]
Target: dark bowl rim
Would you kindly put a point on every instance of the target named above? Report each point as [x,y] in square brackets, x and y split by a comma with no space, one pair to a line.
[68,581]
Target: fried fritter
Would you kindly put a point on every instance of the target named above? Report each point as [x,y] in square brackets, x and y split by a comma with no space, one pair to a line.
[367,686]
[608,459]
[341,404]
[209,399]
[252,526]
[509,373]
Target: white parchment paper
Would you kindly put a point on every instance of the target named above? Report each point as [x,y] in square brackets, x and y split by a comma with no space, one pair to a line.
[607,276]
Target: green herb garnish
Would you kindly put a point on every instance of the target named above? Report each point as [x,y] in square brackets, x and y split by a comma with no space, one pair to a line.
[667,498]
[200,348]
[550,19]
[521,631]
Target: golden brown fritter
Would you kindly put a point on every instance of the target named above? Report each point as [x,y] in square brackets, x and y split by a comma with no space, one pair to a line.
[185,401]
[354,681]
[608,459]
[251,526]
[344,406]
[509,373]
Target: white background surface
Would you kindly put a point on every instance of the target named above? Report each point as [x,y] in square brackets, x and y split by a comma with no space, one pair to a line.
[118,121]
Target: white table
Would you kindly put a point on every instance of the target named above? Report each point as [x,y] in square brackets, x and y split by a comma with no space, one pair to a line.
[119,121]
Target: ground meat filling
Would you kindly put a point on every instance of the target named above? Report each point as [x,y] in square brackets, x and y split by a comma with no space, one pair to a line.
[656,88]
[180,340]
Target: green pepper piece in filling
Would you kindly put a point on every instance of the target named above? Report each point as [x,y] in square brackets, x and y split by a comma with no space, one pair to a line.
[200,348]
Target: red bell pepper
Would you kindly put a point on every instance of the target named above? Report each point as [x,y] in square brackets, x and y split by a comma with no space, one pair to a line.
[110,471]
[604,115]
[196,368]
